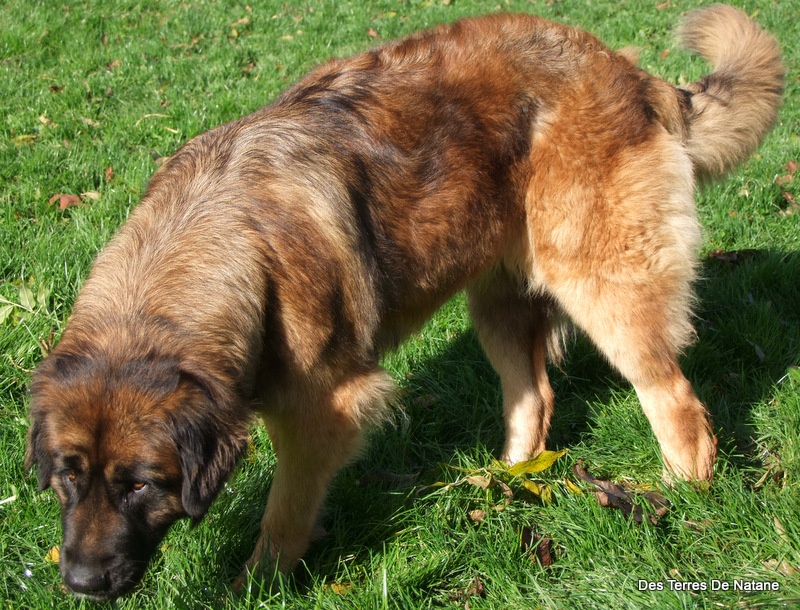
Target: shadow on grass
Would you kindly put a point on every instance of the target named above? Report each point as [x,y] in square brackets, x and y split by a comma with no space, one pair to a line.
[748,323]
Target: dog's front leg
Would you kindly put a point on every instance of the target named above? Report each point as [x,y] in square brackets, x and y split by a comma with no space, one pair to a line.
[312,441]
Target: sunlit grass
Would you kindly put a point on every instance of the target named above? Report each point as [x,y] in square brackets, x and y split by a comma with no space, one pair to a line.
[94,94]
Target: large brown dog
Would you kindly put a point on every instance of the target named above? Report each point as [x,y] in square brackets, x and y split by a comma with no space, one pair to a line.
[273,259]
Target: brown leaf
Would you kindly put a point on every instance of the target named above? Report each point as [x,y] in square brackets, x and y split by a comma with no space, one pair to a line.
[65,201]
[615,496]
[781,567]
[793,207]
[372,33]
[109,173]
[477,515]
[733,257]
[537,546]
[508,495]
[480,481]
[476,589]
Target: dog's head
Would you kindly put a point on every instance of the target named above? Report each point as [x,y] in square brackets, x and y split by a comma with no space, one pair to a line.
[128,447]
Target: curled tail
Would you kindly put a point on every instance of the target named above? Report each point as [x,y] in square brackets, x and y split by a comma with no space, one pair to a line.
[728,112]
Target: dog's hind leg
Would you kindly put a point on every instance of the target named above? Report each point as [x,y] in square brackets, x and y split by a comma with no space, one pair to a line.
[619,257]
[514,328]
[313,439]
[628,326]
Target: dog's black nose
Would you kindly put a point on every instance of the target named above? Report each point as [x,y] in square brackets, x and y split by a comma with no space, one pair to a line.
[87,579]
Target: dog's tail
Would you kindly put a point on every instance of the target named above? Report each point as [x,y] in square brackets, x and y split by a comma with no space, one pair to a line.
[728,112]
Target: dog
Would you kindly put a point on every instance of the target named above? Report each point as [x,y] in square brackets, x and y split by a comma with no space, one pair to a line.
[272,260]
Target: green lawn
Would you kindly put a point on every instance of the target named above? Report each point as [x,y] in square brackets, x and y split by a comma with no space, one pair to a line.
[93,94]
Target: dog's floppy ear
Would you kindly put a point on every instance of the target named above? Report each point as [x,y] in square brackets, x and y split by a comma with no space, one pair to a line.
[211,432]
[36,454]
[53,369]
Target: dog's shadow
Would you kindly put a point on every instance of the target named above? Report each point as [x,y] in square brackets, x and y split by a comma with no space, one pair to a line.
[748,325]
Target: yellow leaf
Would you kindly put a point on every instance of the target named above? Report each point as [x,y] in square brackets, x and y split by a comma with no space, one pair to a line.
[53,555]
[532,487]
[498,465]
[572,487]
[339,588]
[25,138]
[541,462]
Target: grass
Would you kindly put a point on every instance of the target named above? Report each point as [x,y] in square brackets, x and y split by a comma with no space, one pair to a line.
[93,94]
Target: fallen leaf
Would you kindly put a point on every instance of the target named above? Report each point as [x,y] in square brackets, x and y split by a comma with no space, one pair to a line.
[93,195]
[109,173]
[572,487]
[615,496]
[533,487]
[65,201]
[732,257]
[538,547]
[793,207]
[25,138]
[508,495]
[372,33]
[781,567]
[541,462]
[476,589]
[477,515]
[90,122]
[53,555]
[699,526]
[480,481]
[339,588]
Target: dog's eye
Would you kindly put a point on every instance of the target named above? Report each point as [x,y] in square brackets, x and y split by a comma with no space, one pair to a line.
[138,487]
[70,477]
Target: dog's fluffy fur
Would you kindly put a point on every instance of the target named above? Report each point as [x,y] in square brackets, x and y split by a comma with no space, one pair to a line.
[273,259]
